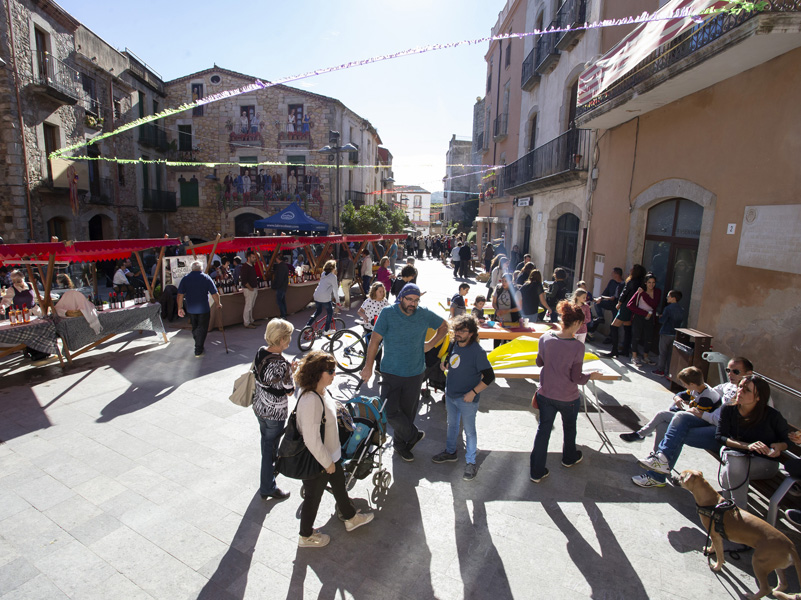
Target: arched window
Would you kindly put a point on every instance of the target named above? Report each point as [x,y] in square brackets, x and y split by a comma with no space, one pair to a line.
[567,228]
[671,245]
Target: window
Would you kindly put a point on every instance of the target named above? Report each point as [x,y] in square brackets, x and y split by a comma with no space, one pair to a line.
[197,94]
[41,53]
[57,226]
[418,201]
[248,120]
[121,174]
[184,138]
[190,195]
[532,143]
[51,145]
[296,174]
[89,94]
[215,79]
[141,104]
[296,111]
[117,109]
[508,59]
[489,78]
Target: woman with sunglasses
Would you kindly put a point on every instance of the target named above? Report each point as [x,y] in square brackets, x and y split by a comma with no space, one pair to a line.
[753,435]
[316,413]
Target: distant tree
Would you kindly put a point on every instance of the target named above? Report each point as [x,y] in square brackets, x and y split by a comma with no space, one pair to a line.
[376,218]
[469,213]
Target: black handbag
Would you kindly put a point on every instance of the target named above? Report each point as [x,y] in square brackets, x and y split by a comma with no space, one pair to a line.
[294,460]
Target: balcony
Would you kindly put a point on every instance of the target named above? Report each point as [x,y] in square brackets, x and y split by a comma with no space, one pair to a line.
[158,201]
[187,157]
[294,139]
[153,136]
[357,198]
[722,47]
[529,76]
[547,53]
[101,192]
[561,160]
[500,126]
[571,14]
[309,197]
[57,80]
[353,157]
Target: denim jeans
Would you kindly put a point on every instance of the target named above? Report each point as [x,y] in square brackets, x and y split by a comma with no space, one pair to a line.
[329,310]
[270,436]
[548,410]
[280,300]
[366,279]
[457,408]
[688,429]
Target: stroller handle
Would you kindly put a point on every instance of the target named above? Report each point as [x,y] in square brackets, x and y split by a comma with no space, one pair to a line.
[359,386]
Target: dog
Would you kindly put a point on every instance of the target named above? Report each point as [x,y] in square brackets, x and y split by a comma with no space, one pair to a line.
[773,551]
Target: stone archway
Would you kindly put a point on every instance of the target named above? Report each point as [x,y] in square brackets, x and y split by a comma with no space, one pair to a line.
[550,243]
[665,190]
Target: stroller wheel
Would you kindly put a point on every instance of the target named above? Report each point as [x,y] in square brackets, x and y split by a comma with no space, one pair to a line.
[377,479]
[386,479]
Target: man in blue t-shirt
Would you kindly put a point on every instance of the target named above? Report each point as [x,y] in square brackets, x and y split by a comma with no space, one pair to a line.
[469,373]
[196,287]
[403,327]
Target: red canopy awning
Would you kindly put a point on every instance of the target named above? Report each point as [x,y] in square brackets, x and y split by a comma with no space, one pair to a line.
[94,250]
[35,251]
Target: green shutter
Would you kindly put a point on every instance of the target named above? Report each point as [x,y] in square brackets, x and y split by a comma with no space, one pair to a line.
[190,196]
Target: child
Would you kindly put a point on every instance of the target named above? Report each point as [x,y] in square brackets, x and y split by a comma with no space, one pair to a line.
[672,316]
[699,396]
[478,308]
[407,275]
[580,300]
[458,306]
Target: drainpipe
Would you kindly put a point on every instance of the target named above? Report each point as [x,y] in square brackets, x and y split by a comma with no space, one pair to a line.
[21,121]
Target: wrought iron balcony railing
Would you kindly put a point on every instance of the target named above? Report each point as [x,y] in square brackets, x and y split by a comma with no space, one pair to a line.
[101,191]
[686,44]
[357,198]
[158,201]
[153,136]
[58,79]
[567,153]
[547,52]
[570,14]
[529,76]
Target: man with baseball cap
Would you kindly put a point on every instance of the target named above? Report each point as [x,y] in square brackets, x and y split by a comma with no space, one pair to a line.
[403,327]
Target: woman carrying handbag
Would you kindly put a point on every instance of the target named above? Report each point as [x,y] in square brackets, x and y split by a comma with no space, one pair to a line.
[313,375]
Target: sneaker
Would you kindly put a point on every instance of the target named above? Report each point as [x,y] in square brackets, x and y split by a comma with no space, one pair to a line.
[358,520]
[657,462]
[646,481]
[315,540]
[612,354]
[329,332]
[575,462]
[648,361]
[636,363]
[199,354]
[277,493]
[418,439]
[405,454]
[252,326]
[444,457]
[470,471]
[543,476]
[658,372]
[634,436]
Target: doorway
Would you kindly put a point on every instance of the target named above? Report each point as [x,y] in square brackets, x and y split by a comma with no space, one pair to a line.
[671,245]
[527,235]
[564,256]
[243,224]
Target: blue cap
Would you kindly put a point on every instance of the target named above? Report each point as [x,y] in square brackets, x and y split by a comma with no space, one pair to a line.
[409,289]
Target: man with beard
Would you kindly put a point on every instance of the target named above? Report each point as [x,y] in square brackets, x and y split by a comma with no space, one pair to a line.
[403,327]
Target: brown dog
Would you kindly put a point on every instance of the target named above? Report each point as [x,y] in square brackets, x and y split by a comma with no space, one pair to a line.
[773,551]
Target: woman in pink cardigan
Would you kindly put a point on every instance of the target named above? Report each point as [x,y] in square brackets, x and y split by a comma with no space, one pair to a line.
[643,305]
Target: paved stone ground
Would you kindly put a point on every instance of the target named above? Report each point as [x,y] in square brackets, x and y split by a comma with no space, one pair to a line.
[132,476]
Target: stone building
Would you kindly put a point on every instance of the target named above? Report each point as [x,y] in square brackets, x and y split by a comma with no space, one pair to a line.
[416,202]
[61,85]
[279,125]
[459,181]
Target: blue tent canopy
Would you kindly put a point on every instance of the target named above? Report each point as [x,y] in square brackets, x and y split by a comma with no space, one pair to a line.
[292,218]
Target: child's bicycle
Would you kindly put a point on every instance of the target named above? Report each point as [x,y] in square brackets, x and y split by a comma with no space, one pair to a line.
[349,348]
[311,333]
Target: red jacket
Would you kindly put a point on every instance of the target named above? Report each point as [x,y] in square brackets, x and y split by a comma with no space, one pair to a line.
[634,301]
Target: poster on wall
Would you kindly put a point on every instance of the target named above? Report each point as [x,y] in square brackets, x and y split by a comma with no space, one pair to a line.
[771,238]
[177,267]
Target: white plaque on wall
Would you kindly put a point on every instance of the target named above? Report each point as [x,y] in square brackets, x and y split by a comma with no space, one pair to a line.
[771,238]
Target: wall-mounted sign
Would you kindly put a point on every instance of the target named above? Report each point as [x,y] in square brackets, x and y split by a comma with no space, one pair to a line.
[524,201]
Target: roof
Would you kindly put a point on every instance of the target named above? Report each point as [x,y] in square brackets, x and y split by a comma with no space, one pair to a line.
[408,189]
[384,155]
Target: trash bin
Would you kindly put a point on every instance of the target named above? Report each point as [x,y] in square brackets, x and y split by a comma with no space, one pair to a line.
[688,349]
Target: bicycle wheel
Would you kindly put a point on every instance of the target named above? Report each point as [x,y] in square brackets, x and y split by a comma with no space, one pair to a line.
[306,338]
[348,349]
[338,324]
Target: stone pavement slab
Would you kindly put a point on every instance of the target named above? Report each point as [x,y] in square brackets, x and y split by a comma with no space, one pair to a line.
[130,475]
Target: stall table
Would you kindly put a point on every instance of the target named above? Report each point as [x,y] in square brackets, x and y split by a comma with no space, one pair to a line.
[589,400]
[298,296]
[77,337]
[39,334]
[499,332]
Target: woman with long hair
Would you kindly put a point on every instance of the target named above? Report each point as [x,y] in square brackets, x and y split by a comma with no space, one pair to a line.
[489,254]
[316,412]
[561,357]
[643,305]
[524,274]
[753,435]
[623,318]
[532,295]
[383,274]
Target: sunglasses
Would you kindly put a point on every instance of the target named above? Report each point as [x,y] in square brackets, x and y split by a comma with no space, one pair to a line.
[331,371]
[734,371]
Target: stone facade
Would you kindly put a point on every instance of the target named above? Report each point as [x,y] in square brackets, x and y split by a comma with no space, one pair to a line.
[459,183]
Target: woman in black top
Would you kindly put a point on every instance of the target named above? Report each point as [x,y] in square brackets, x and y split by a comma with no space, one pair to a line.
[753,436]
[532,296]
[623,318]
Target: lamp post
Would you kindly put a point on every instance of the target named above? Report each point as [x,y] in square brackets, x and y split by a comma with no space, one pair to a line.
[334,147]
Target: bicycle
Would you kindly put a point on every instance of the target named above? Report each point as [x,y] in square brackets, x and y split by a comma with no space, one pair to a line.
[311,333]
[349,349]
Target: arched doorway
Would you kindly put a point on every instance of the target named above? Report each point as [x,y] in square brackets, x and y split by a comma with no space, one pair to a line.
[100,228]
[57,226]
[527,235]
[564,256]
[243,224]
[671,245]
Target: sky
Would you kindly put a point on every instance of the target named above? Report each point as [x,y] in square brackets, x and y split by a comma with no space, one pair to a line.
[416,103]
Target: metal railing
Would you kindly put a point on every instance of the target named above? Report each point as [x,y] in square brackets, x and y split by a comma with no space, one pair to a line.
[357,198]
[500,125]
[53,73]
[568,152]
[570,14]
[680,48]
[546,51]
[158,201]
[153,136]
[529,75]
[101,191]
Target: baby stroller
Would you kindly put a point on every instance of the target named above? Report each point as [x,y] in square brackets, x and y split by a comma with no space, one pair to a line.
[363,444]
[434,378]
